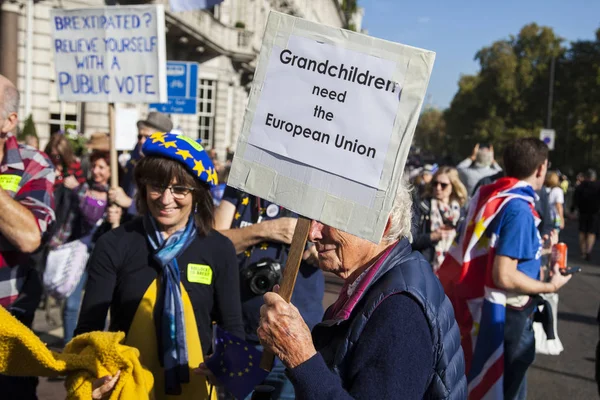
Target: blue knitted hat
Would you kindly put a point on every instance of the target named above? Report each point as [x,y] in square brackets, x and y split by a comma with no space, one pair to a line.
[185,151]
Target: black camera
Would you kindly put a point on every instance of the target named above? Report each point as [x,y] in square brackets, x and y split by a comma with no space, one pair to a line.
[262,275]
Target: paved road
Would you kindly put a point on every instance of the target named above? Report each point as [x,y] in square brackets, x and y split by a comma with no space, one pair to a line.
[568,376]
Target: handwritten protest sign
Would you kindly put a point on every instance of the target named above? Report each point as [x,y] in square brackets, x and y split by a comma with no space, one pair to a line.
[329,123]
[111,54]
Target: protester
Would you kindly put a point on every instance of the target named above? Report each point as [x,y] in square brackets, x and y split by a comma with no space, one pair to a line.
[167,275]
[437,216]
[26,202]
[586,201]
[391,334]
[67,167]
[124,195]
[261,233]
[423,180]
[480,164]
[564,183]
[556,198]
[86,209]
[542,205]
[494,269]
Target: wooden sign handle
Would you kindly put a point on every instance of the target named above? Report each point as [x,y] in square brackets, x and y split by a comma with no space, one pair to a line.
[114,161]
[290,272]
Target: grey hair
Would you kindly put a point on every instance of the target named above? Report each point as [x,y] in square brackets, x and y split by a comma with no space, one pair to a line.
[401,214]
[10,100]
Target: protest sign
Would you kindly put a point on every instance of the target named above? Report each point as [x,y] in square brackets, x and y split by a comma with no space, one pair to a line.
[110,54]
[329,123]
[126,131]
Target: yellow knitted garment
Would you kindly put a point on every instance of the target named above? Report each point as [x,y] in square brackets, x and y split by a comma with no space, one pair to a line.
[86,358]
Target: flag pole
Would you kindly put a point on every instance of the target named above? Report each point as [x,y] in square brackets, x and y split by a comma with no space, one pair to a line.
[290,272]
[114,162]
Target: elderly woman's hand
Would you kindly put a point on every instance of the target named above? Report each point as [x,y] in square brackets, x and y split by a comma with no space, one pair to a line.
[103,387]
[283,331]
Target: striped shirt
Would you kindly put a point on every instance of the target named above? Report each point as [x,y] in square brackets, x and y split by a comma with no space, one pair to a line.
[27,175]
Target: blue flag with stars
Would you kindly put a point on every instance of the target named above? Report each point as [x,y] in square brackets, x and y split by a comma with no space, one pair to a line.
[235,363]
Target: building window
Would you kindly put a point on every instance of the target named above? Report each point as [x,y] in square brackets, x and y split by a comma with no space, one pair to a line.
[63,117]
[207,94]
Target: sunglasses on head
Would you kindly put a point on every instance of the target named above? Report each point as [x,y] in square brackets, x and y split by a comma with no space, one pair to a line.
[442,184]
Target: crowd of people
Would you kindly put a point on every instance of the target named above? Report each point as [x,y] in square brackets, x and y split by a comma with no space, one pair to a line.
[173,251]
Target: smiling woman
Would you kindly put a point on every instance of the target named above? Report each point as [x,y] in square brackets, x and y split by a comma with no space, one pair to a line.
[167,275]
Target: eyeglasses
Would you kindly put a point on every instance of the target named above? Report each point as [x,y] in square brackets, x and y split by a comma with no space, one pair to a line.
[178,192]
[442,184]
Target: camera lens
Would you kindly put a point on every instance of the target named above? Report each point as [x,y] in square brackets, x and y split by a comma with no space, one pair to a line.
[262,282]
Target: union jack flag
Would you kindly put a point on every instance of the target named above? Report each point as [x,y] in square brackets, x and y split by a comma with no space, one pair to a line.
[479,305]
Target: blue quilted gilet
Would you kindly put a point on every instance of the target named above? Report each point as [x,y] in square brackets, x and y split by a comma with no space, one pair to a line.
[404,271]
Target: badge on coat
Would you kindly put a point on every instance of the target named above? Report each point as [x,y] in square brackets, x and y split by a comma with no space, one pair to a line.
[272,210]
[199,273]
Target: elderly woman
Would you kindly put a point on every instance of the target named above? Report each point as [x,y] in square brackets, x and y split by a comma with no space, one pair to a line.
[390,335]
[167,275]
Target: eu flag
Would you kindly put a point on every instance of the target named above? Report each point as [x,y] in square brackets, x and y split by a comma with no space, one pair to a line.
[235,363]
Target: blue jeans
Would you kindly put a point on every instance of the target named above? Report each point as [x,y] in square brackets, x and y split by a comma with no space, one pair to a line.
[519,351]
[283,387]
[71,309]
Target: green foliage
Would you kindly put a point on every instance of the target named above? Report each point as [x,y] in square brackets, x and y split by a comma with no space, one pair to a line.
[78,142]
[28,129]
[349,8]
[240,25]
[508,98]
[431,131]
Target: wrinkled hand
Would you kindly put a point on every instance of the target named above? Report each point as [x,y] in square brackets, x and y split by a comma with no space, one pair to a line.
[114,215]
[283,331]
[70,182]
[117,195]
[103,387]
[282,229]
[557,279]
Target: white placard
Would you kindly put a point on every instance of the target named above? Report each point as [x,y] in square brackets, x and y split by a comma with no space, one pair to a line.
[328,107]
[548,136]
[110,54]
[126,128]
[375,108]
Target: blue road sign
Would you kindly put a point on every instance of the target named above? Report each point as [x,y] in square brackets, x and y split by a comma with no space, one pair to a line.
[182,89]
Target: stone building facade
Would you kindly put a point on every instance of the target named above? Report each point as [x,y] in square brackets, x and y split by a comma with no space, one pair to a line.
[225,40]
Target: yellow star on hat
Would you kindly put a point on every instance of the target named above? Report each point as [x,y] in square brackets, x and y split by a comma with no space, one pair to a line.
[185,154]
[198,167]
[158,137]
[170,144]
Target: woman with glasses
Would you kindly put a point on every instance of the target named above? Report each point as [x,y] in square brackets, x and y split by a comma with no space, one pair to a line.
[167,275]
[437,215]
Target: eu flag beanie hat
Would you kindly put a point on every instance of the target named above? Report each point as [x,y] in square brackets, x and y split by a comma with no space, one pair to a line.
[184,150]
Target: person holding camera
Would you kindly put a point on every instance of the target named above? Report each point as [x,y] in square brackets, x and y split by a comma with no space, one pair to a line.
[479,165]
[262,233]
